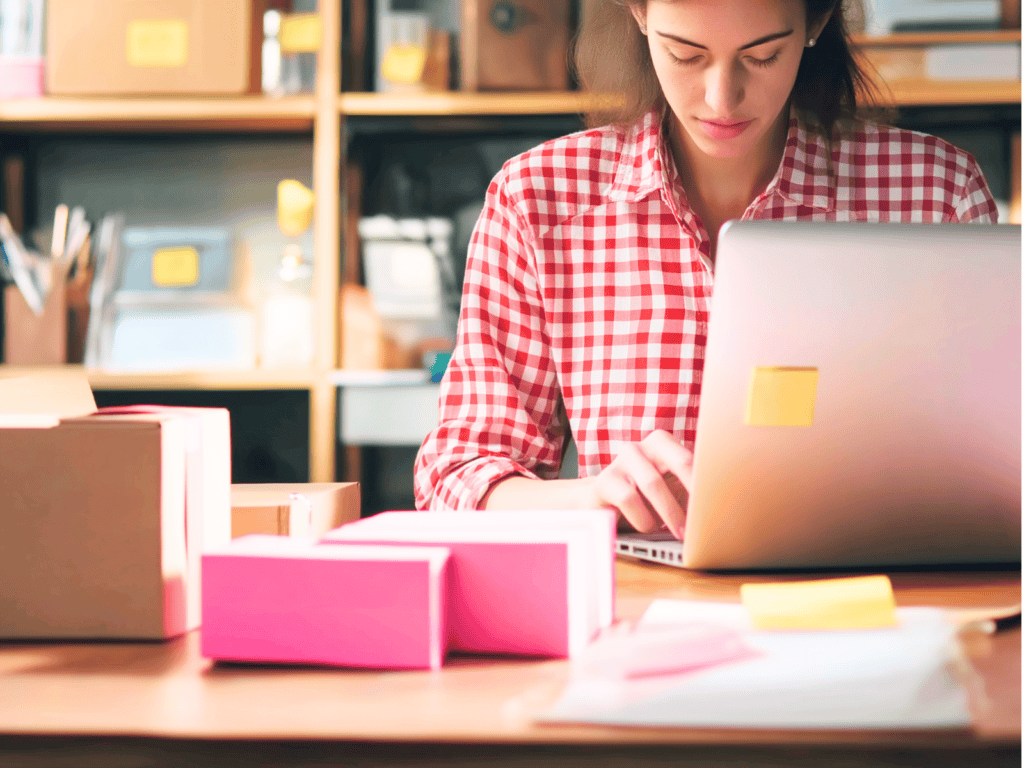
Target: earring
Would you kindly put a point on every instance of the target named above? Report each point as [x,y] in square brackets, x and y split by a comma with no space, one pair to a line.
[643,29]
[811,42]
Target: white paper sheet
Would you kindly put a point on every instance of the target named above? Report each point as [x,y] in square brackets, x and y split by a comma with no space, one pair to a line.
[884,678]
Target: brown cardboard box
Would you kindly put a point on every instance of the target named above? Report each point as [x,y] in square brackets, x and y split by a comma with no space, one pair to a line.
[293,509]
[153,47]
[515,45]
[105,514]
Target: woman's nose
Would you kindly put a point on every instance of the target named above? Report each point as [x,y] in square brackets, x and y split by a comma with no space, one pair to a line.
[724,89]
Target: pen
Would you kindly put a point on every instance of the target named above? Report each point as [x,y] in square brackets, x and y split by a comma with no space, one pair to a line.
[1006,622]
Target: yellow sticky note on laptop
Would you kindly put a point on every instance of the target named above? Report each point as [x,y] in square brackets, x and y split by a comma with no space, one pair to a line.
[782,396]
[860,602]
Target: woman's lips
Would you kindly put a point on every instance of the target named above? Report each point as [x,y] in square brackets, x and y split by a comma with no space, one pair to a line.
[724,129]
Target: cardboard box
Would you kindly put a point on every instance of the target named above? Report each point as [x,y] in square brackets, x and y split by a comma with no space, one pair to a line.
[293,509]
[288,599]
[521,46]
[153,47]
[105,514]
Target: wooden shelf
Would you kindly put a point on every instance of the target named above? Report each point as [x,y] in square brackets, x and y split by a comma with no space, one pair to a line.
[242,380]
[293,114]
[461,104]
[939,38]
[913,93]
[906,86]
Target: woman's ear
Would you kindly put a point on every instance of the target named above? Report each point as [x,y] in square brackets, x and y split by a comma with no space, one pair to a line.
[815,27]
[639,11]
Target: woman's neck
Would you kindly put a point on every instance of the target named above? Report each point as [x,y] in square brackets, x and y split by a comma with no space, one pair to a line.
[720,189]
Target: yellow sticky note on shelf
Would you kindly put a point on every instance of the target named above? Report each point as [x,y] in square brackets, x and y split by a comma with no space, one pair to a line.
[782,397]
[294,207]
[175,267]
[157,43]
[859,602]
[300,33]
[404,63]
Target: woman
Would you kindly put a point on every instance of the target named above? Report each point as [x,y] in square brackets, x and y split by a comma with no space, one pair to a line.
[589,274]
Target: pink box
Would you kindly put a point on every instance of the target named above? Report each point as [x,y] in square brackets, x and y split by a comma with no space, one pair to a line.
[287,599]
[522,583]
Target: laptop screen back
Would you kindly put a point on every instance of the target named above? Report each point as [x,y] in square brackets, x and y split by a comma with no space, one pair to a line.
[861,398]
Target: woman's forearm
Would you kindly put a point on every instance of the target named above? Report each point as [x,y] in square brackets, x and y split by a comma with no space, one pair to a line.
[528,493]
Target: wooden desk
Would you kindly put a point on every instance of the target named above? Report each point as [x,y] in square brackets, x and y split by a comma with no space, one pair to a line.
[139,704]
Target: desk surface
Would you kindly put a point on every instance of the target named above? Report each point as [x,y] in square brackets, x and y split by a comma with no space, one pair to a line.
[167,691]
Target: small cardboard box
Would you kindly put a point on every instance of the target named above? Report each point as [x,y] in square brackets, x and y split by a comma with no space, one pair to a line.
[105,514]
[293,509]
[521,46]
[153,47]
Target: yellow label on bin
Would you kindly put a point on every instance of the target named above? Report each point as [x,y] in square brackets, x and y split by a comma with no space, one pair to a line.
[860,602]
[404,63]
[300,33]
[157,42]
[782,397]
[175,267]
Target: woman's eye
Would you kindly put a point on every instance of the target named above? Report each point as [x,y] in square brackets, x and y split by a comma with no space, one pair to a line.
[765,62]
[685,61]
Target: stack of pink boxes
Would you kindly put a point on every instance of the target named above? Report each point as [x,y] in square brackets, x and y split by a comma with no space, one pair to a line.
[400,589]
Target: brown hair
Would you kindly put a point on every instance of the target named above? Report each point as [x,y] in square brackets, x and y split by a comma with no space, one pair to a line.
[828,84]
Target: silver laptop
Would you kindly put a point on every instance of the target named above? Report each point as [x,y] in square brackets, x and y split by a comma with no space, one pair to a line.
[861,400]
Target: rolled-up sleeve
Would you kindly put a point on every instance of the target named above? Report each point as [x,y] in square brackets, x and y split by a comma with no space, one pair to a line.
[974,202]
[499,400]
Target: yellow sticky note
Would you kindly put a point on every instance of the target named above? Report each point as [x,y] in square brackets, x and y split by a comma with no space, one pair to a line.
[300,33]
[157,42]
[404,63]
[294,207]
[860,602]
[175,267]
[782,397]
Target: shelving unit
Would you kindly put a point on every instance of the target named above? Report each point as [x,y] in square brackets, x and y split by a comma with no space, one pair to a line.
[323,115]
[293,114]
[923,92]
[257,379]
[468,104]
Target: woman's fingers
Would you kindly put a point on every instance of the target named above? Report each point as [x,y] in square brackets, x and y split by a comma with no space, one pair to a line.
[645,483]
[670,456]
[616,489]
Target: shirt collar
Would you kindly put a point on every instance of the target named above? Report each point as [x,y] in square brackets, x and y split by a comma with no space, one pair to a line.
[803,177]
[640,170]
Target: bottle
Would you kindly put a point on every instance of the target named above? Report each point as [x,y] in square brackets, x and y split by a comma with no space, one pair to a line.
[287,323]
[271,54]
[300,37]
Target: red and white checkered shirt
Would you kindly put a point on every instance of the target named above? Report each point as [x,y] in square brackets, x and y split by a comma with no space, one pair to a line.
[586,298]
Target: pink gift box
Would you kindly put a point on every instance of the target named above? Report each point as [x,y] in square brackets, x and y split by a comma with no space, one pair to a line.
[522,583]
[286,599]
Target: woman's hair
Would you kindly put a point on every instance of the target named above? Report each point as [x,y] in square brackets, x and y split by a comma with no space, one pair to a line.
[828,84]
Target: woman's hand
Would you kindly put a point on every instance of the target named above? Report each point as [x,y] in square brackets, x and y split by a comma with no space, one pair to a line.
[648,483]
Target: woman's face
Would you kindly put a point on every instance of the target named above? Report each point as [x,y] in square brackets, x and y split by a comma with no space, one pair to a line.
[726,67]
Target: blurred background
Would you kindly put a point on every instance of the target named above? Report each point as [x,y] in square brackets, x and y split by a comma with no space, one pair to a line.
[265,204]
